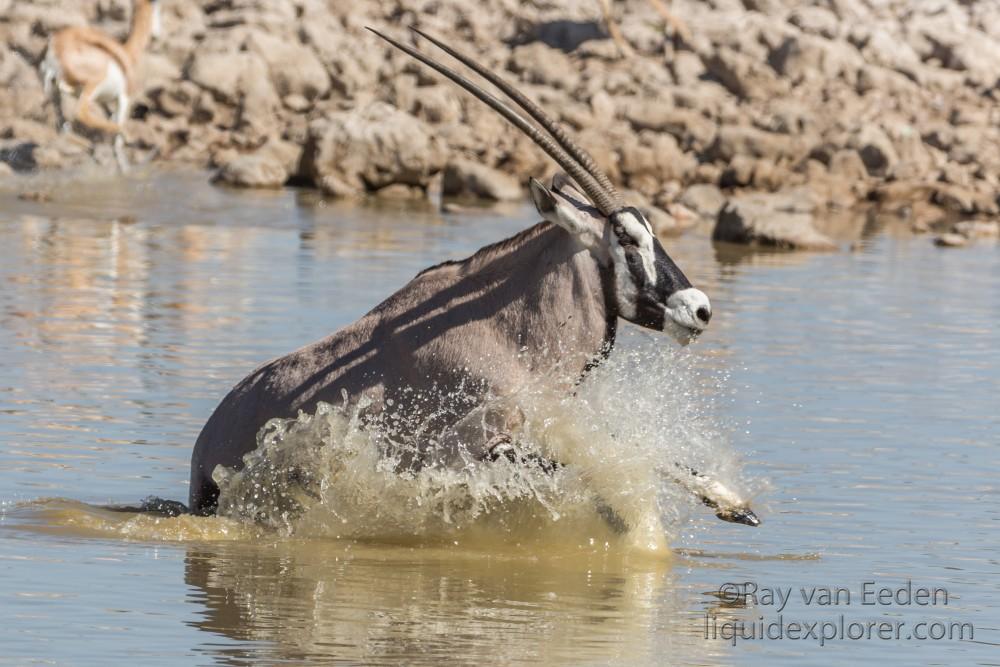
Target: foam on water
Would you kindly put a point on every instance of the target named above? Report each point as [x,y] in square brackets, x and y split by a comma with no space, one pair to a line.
[336,474]
[62,516]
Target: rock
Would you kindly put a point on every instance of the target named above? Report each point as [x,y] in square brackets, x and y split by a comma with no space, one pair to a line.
[222,73]
[27,131]
[20,156]
[939,136]
[683,220]
[351,152]
[951,240]
[704,199]
[734,140]
[768,175]
[901,194]
[652,160]
[742,75]
[885,81]
[691,129]
[46,20]
[464,178]
[253,171]
[457,209]
[880,47]
[37,196]
[21,94]
[807,58]
[285,153]
[234,78]
[662,222]
[739,173]
[787,116]
[956,48]
[876,150]
[978,229]
[848,165]
[603,108]
[50,157]
[539,64]
[437,104]
[914,159]
[157,71]
[5,170]
[924,216]
[400,192]
[816,21]
[350,72]
[709,173]
[778,220]
[831,190]
[566,36]
[297,103]
[294,67]
[687,68]
[955,198]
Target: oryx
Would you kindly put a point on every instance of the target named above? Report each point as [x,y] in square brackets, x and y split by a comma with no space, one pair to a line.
[532,306]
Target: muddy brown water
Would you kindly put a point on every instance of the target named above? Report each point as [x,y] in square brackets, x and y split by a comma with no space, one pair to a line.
[860,389]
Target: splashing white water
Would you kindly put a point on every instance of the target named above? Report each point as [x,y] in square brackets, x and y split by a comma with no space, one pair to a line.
[617,440]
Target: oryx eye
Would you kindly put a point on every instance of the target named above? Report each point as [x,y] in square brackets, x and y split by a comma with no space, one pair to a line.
[624,240]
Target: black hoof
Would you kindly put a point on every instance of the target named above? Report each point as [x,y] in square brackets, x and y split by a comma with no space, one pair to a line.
[741,515]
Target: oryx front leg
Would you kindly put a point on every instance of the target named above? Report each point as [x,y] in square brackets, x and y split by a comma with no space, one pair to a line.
[484,434]
[728,505]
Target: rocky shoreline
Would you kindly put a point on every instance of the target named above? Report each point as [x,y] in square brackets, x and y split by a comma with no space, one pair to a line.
[771,115]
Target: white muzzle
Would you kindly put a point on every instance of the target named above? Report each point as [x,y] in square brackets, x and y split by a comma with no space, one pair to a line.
[689,308]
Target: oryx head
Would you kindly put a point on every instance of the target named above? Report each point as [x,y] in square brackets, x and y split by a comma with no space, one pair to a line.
[648,288]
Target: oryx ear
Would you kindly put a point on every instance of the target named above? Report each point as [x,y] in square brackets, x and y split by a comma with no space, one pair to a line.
[576,217]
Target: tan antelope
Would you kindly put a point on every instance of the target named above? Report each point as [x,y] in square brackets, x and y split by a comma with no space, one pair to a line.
[87,62]
[534,307]
[677,26]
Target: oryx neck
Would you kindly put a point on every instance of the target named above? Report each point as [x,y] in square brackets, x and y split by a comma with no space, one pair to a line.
[545,292]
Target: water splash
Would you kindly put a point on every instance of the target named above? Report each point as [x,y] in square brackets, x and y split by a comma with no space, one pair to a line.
[336,473]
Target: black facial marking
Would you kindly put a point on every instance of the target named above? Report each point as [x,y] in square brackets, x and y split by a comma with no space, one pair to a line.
[669,278]
[630,245]
[652,297]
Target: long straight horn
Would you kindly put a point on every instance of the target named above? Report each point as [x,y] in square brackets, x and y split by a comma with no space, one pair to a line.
[575,150]
[602,200]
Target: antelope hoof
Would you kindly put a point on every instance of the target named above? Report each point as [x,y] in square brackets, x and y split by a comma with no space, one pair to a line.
[743,515]
[501,446]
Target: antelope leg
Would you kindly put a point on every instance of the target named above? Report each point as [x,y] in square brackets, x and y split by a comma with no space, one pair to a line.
[727,504]
[120,158]
[502,445]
